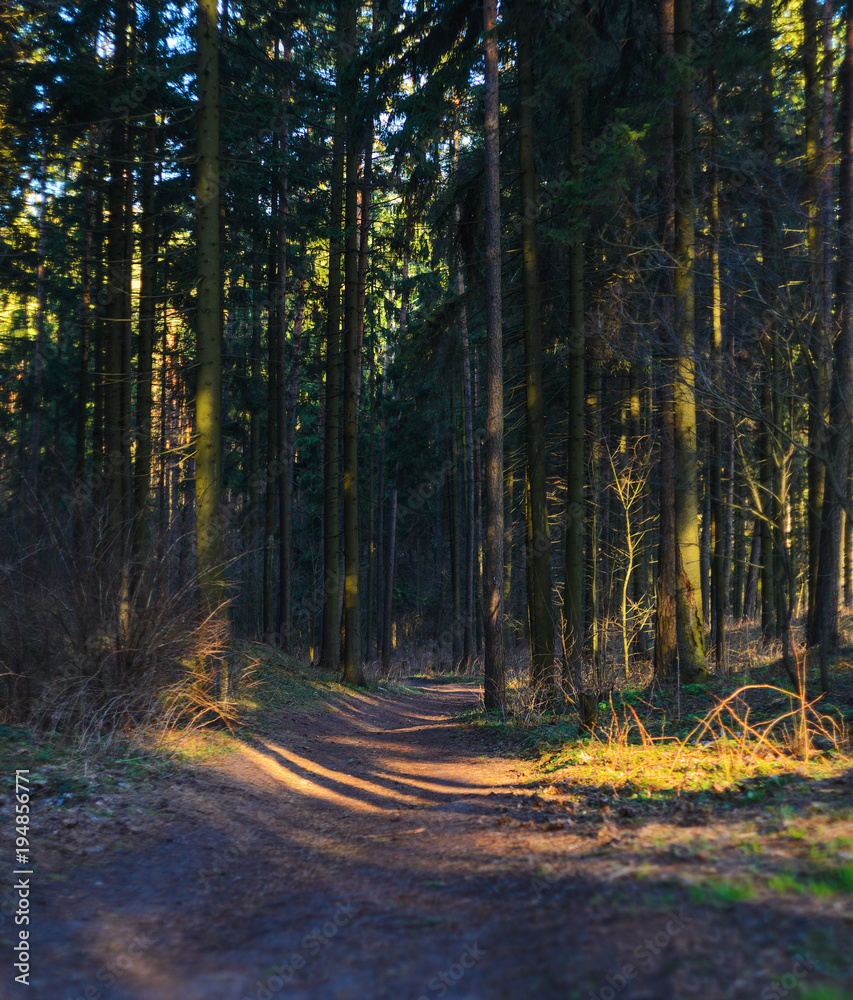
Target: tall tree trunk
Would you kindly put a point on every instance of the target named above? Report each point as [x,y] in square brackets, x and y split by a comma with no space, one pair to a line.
[575,473]
[391,545]
[116,275]
[456,532]
[768,431]
[538,537]
[352,664]
[270,479]
[330,646]
[85,313]
[282,376]
[494,686]
[41,308]
[147,311]
[288,460]
[819,349]
[719,582]
[208,402]
[841,399]
[691,635]
[470,445]
[666,649]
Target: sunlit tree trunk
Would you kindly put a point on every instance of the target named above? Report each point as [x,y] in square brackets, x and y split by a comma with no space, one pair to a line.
[719,582]
[330,646]
[147,311]
[208,402]
[691,636]
[666,649]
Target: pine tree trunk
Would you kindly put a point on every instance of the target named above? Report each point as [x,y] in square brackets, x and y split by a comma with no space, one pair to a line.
[286,487]
[455,513]
[818,347]
[208,402]
[148,251]
[841,399]
[85,313]
[330,646]
[666,651]
[270,479]
[282,376]
[352,664]
[719,581]
[116,300]
[575,473]
[494,684]
[691,635]
[538,556]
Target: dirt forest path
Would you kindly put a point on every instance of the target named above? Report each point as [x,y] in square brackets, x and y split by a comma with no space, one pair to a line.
[383,850]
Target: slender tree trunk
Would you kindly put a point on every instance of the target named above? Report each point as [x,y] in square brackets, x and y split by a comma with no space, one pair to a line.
[719,583]
[470,445]
[208,402]
[147,314]
[288,460]
[270,478]
[41,308]
[819,349]
[116,274]
[85,313]
[691,635]
[494,686]
[455,512]
[538,536]
[391,545]
[283,377]
[575,474]
[750,597]
[666,649]
[768,431]
[330,647]
[841,399]
[352,664]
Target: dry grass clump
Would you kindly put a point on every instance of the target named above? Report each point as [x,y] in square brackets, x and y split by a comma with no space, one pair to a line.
[95,645]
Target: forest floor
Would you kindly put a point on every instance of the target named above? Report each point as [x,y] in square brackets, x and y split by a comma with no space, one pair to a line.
[382,844]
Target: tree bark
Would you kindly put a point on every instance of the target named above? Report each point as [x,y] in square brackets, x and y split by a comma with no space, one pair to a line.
[666,649]
[691,636]
[353,672]
[538,556]
[330,646]
[208,401]
[575,472]
[841,399]
[494,686]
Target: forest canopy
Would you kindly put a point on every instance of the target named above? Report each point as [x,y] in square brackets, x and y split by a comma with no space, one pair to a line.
[467,338]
